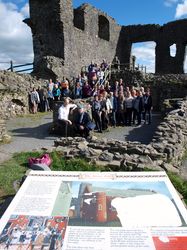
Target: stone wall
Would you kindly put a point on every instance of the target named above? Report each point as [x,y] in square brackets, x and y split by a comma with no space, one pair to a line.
[65,39]
[14,90]
[165,152]
[72,40]
[166,86]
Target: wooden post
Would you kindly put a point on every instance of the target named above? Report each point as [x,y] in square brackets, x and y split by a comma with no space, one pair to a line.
[133,62]
[11,66]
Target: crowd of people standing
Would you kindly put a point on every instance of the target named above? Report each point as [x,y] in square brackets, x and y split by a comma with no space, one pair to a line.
[110,103]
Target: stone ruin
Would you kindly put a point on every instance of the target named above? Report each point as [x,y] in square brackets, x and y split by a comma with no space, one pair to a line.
[14,89]
[65,39]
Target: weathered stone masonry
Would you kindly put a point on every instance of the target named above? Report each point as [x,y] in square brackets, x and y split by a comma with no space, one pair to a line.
[65,39]
[14,89]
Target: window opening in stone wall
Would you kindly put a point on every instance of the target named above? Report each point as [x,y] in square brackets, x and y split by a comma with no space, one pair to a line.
[185,61]
[173,50]
[145,56]
[78,19]
[104,28]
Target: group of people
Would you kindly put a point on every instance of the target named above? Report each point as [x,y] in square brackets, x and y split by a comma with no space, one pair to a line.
[35,238]
[85,85]
[117,108]
[42,99]
[109,104]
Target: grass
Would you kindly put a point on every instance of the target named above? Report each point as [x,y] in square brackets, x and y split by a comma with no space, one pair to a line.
[179,184]
[14,169]
[11,171]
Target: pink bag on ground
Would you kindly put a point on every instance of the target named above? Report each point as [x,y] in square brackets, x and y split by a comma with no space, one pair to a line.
[44,159]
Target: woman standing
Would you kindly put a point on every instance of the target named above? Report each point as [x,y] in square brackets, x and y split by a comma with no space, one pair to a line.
[35,99]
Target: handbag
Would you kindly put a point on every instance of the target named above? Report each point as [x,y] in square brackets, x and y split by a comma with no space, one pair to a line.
[44,159]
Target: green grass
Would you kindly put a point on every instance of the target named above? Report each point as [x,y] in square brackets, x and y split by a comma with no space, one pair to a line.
[179,184]
[15,169]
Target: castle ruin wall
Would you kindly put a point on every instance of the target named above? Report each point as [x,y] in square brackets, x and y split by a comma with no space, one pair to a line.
[66,39]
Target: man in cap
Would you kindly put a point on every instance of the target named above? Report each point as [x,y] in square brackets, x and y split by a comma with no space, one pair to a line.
[83,123]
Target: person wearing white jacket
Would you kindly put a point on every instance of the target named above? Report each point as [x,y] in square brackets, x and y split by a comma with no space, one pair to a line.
[63,114]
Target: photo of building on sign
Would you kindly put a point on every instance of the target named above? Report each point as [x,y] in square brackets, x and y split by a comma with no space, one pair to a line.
[122,204]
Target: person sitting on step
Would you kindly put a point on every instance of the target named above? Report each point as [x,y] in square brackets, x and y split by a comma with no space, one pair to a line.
[63,115]
[83,124]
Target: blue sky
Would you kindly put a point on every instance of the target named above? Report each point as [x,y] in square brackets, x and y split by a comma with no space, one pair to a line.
[16,39]
[127,12]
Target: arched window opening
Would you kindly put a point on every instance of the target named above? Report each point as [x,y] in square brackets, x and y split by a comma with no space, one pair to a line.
[78,20]
[185,61]
[104,28]
[173,50]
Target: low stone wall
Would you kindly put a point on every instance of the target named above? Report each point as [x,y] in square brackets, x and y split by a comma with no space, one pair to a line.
[3,132]
[165,152]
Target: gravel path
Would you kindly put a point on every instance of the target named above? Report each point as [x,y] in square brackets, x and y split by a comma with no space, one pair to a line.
[30,133]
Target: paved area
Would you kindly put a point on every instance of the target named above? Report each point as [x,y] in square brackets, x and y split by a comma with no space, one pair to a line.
[143,133]
[30,133]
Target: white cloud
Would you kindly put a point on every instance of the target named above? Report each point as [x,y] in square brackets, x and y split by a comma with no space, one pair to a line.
[15,36]
[170,3]
[145,55]
[181,9]
[25,10]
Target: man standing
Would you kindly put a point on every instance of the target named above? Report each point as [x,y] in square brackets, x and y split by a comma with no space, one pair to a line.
[148,106]
[63,114]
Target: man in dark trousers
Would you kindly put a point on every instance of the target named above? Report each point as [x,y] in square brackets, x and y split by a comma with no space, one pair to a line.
[83,123]
[148,106]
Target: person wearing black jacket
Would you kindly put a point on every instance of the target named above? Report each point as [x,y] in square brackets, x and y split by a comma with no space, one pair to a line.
[138,107]
[148,105]
[82,122]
